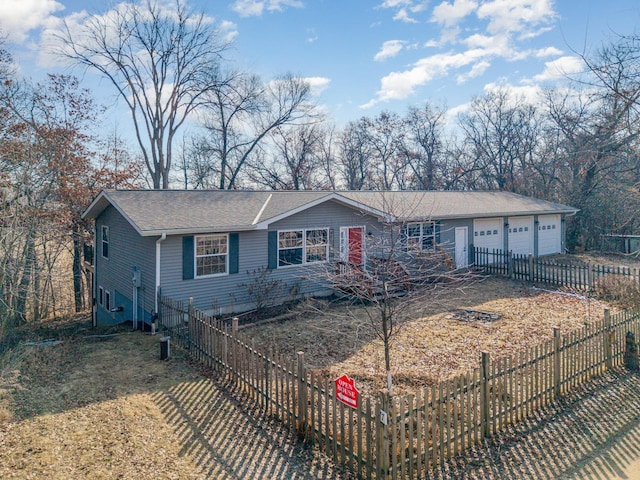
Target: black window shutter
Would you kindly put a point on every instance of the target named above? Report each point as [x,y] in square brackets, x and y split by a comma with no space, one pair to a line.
[273,250]
[234,252]
[187,258]
[437,227]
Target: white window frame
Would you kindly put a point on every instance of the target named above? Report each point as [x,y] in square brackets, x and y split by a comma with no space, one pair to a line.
[422,236]
[304,246]
[100,296]
[196,256]
[103,242]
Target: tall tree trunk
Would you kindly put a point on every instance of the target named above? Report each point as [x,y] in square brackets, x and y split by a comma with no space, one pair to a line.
[29,254]
[78,294]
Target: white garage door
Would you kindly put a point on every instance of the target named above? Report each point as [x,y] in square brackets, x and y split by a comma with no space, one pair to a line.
[487,233]
[549,234]
[521,235]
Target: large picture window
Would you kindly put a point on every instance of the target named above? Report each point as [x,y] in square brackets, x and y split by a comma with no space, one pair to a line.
[105,241]
[421,236]
[211,255]
[299,247]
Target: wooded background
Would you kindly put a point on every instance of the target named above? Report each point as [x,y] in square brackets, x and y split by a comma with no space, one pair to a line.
[577,146]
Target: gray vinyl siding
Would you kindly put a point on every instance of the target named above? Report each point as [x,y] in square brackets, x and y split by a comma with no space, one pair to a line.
[228,293]
[448,235]
[127,250]
[224,293]
[316,278]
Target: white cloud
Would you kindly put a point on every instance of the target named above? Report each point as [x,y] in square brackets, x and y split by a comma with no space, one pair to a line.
[229,30]
[531,94]
[559,68]
[548,52]
[405,8]
[255,8]
[19,17]
[396,3]
[449,14]
[400,85]
[389,49]
[516,15]
[403,16]
[476,70]
[248,8]
[317,84]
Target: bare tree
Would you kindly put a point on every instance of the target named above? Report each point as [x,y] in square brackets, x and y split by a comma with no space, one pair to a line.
[354,157]
[240,115]
[423,145]
[161,61]
[384,135]
[398,272]
[294,161]
[493,128]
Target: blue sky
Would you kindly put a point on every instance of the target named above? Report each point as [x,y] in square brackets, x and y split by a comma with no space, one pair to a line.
[365,56]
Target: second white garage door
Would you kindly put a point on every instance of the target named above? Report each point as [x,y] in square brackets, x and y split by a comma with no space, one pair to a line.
[487,233]
[549,234]
[521,235]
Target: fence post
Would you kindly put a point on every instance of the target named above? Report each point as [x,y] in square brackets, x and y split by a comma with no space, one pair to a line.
[510,265]
[531,272]
[631,353]
[160,311]
[556,361]
[190,322]
[382,436]
[589,276]
[302,397]
[608,350]
[234,353]
[484,395]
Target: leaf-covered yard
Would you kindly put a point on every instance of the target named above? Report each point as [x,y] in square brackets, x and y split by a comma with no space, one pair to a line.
[435,345]
[105,407]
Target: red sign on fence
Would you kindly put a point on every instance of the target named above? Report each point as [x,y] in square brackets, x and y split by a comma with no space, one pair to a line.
[346,391]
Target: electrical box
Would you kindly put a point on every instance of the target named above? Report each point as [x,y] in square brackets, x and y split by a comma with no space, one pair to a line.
[136,278]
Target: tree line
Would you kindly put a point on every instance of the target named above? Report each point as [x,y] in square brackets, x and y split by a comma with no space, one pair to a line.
[200,122]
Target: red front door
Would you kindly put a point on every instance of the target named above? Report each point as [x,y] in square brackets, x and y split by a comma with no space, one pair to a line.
[355,245]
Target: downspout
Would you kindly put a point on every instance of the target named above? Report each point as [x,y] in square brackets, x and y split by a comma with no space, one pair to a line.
[162,238]
[94,282]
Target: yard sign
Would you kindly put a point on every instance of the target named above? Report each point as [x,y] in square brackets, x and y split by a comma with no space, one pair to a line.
[346,391]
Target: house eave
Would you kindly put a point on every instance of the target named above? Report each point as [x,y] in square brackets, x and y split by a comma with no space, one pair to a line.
[461,216]
[198,231]
[264,224]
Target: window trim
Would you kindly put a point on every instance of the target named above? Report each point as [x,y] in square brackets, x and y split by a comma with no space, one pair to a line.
[107,300]
[304,246]
[422,237]
[196,256]
[103,242]
[100,295]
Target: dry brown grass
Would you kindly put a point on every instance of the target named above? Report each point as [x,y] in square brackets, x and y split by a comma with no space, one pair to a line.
[107,407]
[434,346]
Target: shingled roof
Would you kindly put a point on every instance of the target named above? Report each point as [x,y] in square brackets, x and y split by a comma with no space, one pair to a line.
[152,212]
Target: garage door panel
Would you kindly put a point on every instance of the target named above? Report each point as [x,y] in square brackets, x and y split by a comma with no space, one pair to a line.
[520,235]
[549,234]
[487,233]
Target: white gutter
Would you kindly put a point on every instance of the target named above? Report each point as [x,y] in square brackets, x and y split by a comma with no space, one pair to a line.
[158,249]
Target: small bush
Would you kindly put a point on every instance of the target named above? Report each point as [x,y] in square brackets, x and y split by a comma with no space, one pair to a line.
[620,290]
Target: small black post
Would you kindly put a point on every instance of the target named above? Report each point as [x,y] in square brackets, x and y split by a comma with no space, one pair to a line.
[164,348]
[631,353]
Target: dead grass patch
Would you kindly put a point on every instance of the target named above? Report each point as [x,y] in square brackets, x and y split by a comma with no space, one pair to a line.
[106,407]
[337,339]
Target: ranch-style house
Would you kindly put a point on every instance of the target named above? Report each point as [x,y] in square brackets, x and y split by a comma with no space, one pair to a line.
[213,246]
